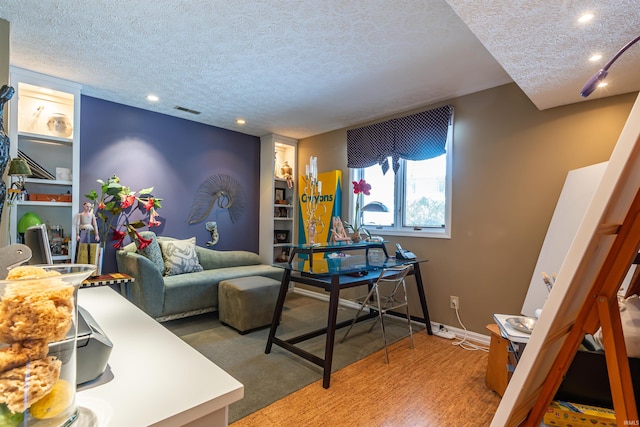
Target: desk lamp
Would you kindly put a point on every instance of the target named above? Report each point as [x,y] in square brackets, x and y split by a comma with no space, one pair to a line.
[375,207]
[372,207]
[592,83]
[20,169]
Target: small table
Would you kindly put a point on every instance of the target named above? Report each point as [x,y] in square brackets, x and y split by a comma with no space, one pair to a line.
[333,274]
[110,279]
[507,345]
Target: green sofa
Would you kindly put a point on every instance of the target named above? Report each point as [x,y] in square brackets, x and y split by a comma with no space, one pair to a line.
[171,297]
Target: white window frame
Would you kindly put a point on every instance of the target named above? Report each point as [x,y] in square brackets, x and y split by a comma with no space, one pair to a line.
[398,229]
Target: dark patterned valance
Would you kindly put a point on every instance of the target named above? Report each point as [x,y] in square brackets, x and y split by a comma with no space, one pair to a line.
[419,136]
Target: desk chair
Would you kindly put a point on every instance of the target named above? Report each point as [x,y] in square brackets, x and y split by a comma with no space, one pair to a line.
[385,288]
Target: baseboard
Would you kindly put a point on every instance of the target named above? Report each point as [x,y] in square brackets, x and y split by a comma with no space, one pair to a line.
[460,333]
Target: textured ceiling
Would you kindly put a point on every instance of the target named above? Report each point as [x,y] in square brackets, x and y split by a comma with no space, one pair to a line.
[545,50]
[301,68]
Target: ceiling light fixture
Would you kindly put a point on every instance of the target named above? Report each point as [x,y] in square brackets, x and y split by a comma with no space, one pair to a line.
[585,18]
[152,98]
[240,121]
[592,83]
[595,57]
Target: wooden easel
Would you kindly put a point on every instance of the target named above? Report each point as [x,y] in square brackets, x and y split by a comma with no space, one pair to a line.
[584,295]
[601,309]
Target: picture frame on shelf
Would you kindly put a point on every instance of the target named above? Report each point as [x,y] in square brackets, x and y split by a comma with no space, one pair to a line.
[281,236]
[279,196]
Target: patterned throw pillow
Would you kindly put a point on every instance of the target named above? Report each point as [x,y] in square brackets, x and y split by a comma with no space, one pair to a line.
[180,256]
[152,252]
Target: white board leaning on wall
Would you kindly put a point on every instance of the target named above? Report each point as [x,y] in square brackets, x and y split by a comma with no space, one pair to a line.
[577,193]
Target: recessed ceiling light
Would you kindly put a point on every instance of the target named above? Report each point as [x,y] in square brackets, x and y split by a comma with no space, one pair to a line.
[585,18]
[595,57]
[240,121]
[602,84]
[152,98]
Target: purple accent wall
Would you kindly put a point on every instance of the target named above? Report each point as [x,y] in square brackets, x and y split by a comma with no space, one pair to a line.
[174,156]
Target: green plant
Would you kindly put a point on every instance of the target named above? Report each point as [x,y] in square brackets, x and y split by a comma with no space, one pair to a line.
[116,204]
[360,188]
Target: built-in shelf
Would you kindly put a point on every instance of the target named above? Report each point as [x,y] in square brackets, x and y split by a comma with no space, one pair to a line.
[48,181]
[44,139]
[37,203]
[44,128]
[276,153]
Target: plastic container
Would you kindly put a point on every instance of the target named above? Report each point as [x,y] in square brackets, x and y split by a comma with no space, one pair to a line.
[38,333]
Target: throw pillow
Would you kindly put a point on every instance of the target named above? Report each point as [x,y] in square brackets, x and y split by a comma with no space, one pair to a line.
[152,252]
[180,256]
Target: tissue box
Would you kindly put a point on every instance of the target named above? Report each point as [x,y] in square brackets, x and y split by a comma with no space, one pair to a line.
[565,414]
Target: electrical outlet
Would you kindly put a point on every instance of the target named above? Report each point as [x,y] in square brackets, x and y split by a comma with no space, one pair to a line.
[454,302]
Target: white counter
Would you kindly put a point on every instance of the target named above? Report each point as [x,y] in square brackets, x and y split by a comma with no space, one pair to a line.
[153,377]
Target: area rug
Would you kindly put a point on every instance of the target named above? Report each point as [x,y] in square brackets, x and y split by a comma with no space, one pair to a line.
[269,377]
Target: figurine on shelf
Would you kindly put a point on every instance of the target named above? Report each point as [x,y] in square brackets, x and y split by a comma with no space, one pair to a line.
[88,252]
[283,257]
[286,172]
[338,233]
[86,223]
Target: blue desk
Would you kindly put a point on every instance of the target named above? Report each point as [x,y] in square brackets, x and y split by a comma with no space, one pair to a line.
[334,273]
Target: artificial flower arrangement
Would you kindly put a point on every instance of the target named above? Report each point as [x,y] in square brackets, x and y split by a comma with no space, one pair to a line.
[359,188]
[116,203]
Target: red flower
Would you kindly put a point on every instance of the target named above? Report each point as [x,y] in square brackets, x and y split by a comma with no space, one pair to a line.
[142,242]
[149,205]
[127,200]
[361,187]
[101,205]
[153,222]
[118,237]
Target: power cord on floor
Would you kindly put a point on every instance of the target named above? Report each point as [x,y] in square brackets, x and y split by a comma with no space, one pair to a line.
[463,343]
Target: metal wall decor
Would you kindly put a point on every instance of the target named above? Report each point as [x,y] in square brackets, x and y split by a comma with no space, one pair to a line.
[224,190]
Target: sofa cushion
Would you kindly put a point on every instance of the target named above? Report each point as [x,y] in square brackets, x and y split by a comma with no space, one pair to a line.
[153,251]
[212,259]
[180,256]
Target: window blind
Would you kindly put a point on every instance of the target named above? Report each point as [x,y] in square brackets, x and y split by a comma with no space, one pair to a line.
[418,136]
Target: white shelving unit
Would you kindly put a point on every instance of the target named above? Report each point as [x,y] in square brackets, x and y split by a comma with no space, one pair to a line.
[277,220]
[38,107]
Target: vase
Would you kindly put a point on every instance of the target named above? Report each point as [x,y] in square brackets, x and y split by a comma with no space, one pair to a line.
[60,125]
[355,237]
[50,304]
[312,232]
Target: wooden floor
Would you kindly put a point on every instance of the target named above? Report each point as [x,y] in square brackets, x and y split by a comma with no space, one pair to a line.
[437,384]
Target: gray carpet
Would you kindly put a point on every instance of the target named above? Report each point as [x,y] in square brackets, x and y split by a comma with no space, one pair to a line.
[269,377]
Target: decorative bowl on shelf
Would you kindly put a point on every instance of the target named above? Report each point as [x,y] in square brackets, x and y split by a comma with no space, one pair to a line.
[60,125]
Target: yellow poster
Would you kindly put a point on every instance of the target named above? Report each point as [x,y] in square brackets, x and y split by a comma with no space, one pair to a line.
[320,208]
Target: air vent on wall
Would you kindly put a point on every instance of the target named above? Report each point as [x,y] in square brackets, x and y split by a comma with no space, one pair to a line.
[186,110]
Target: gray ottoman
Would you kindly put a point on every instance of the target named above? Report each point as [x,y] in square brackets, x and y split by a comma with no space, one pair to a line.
[247,303]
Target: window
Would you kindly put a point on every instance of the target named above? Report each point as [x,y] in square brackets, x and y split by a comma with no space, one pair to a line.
[417,198]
